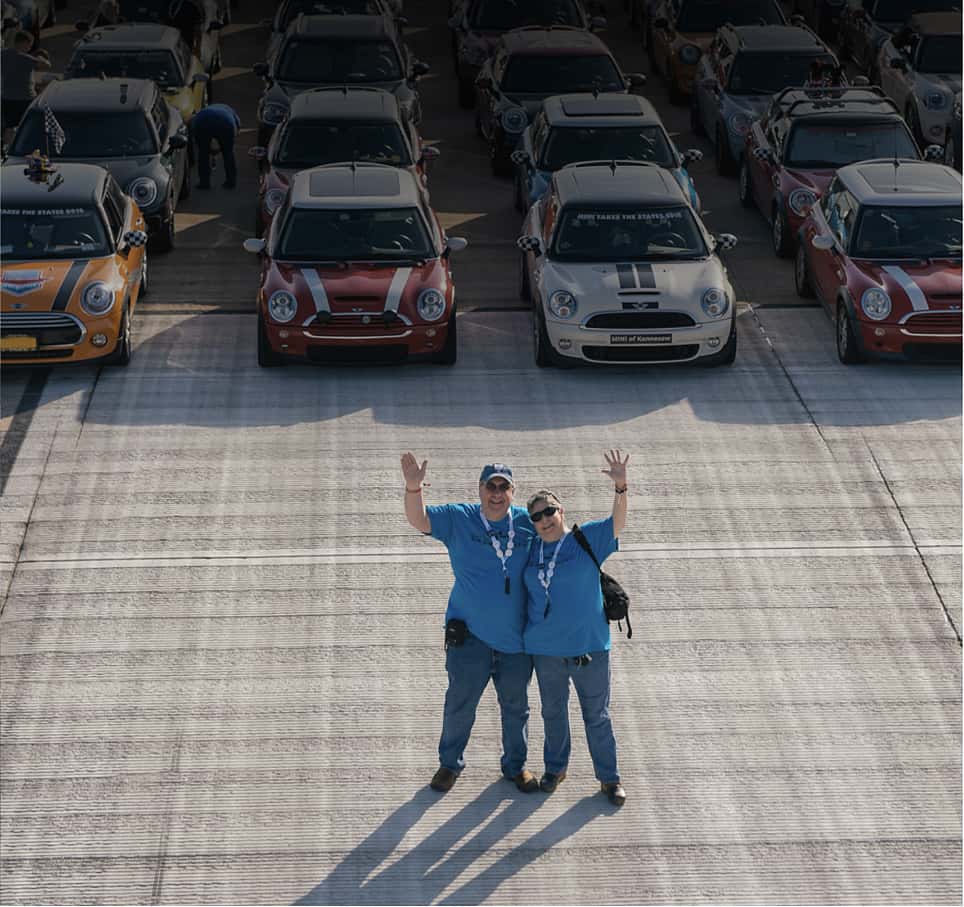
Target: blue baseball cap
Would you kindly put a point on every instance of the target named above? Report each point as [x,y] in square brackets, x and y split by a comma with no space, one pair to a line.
[496,470]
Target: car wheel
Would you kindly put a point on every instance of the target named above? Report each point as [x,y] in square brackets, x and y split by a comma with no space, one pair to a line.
[676,95]
[450,349]
[696,123]
[847,350]
[540,340]
[267,357]
[744,189]
[145,283]
[499,160]
[125,341]
[517,198]
[727,355]
[949,151]
[163,240]
[801,274]
[185,190]
[525,291]
[258,225]
[780,234]
[466,94]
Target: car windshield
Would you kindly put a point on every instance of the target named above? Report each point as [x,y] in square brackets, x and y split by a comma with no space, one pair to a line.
[649,234]
[706,16]
[327,7]
[35,234]
[311,234]
[160,65]
[831,146]
[325,61]
[768,73]
[308,144]
[559,74]
[89,134]
[502,15]
[940,53]
[607,143]
[898,10]
[908,232]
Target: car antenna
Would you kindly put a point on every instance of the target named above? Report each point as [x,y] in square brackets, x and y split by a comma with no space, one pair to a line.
[612,166]
[896,159]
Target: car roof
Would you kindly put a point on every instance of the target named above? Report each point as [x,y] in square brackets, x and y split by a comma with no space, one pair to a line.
[909,183]
[552,39]
[340,26]
[936,23]
[358,185]
[775,38]
[98,94]
[617,184]
[77,184]
[129,36]
[846,103]
[345,103]
[604,109]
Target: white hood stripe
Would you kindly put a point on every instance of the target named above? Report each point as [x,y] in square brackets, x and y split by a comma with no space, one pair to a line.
[316,286]
[396,288]
[907,283]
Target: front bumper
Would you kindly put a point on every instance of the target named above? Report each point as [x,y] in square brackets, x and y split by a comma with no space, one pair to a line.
[57,337]
[918,336]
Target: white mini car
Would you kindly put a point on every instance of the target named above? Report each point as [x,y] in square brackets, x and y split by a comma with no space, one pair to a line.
[620,269]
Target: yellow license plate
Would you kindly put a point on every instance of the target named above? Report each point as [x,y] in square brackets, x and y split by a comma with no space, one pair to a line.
[17,344]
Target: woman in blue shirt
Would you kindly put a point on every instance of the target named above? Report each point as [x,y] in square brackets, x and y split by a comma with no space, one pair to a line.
[567,633]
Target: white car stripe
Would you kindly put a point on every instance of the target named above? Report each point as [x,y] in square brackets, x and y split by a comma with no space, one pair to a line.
[317,288]
[395,289]
[907,283]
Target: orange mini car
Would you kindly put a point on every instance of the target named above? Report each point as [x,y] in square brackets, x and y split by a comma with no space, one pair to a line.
[73,264]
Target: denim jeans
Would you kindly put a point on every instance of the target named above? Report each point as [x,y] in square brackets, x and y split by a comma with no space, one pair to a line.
[592,683]
[223,134]
[469,668]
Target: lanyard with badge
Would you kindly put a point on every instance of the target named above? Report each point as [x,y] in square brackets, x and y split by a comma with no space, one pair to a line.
[545,574]
[502,556]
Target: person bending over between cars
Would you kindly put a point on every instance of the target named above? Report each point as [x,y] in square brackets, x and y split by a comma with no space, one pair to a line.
[220,123]
[488,543]
[567,633]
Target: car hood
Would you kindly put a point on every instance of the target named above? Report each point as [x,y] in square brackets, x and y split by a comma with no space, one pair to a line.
[754,105]
[38,286]
[916,285]
[817,180]
[531,102]
[282,92]
[950,81]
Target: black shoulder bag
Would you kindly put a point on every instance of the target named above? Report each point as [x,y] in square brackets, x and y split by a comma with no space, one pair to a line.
[615,599]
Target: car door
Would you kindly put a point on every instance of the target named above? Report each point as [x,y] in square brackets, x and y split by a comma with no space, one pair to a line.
[763,169]
[707,89]
[488,91]
[895,79]
[826,265]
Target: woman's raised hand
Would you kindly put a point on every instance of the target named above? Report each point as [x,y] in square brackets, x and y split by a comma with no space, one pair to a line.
[617,467]
[414,474]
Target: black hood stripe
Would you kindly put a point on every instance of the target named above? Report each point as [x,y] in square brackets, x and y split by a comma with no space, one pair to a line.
[627,279]
[645,278]
[67,287]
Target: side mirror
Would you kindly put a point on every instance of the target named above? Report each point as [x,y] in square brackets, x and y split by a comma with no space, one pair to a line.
[177,141]
[860,82]
[133,239]
[260,69]
[430,153]
[692,155]
[725,242]
[798,20]
[763,154]
[521,157]
[200,78]
[530,244]
[82,26]
[258,152]
[255,246]
[823,242]
[635,80]
[420,68]
[934,153]
[455,243]
[597,23]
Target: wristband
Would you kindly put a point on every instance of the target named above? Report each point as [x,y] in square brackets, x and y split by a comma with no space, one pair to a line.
[413,490]
[620,490]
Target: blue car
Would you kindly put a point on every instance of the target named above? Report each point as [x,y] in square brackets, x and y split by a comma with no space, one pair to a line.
[572,128]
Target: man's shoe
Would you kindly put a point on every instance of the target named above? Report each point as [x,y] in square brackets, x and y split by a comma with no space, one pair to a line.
[549,782]
[614,791]
[525,781]
[443,779]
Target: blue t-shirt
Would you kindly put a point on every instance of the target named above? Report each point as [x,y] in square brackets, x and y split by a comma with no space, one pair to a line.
[576,622]
[478,596]
[215,114]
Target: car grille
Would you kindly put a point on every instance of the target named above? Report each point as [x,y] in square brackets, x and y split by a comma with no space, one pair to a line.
[936,323]
[641,353]
[50,328]
[640,320]
[358,355]
[354,323]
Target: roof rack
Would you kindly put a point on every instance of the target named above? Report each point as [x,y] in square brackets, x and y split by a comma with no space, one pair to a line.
[830,98]
[612,164]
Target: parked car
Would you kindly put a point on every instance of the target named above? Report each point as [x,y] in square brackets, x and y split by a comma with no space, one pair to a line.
[595,127]
[73,265]
[530,64]
[335,125]
[678,32]
[823,16]
[807,134]
[953,141]
[477,25]
[920,68]
[882,253]
[337,50]
[736,78]
[355,267]
[125,125]
[142,50]
[620,269]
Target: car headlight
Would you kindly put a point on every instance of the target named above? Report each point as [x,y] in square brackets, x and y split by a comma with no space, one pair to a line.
[801,201]
[272,200]
[714,302]
[875,303]
[689,54]
[430,305]
[562,304]
[514,120]
[97,298]
[739,124]
[935,100]
[273,113]
[282,306]
[473,54]
[143,190]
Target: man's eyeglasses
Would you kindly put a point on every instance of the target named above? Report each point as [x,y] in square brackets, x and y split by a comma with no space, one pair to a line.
[497,486]
[539,514]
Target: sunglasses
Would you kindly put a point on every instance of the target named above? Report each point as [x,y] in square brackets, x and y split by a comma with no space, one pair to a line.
[497,486]
[539,514]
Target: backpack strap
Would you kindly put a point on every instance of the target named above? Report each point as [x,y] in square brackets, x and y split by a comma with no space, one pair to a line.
[584,544]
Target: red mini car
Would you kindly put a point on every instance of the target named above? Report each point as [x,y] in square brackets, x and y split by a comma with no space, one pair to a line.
[882,252]
[806,135]
[355,268]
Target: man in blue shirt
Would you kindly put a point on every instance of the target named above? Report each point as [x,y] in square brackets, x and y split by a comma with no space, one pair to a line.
[220,123]
[488,544]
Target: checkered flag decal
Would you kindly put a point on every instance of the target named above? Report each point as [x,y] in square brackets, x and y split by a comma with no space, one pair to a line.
[527,243]
[135,238]
[53,129]
[725,242]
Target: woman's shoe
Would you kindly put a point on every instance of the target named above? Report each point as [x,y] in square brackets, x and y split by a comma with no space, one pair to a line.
[549,781]
[614,791]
